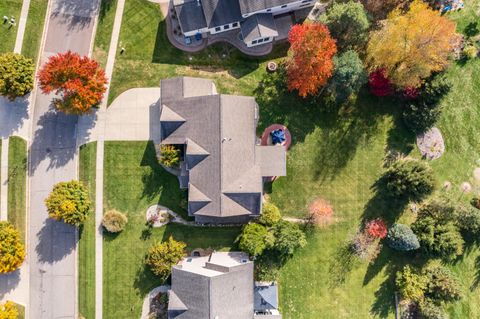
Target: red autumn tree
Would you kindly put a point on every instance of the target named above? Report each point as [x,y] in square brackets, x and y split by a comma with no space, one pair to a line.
[379,84]
[79,82]
[310,63]
[376,228]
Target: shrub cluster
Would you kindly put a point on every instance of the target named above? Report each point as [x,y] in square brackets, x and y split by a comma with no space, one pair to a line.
[12,251]
[114,221]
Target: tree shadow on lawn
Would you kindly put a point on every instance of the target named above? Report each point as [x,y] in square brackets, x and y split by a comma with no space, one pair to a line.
[217,57]
[159,182]
[343,262]
[145,280]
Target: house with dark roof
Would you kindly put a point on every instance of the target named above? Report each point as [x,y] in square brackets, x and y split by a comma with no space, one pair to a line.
[259,21]
[223,165]
[220,286]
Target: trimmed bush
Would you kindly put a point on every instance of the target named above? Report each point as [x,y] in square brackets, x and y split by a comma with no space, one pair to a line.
[69,201]
[161,257]
[169,155]
[16,75]
[114,221]
[411,178]
[320,212]
[410,284]
[288,238]
[401,237]
[376,228]
[270,214]
[255,238]
[468,219]
[8,310]
[430,310]
[12,251]
[470,51]
[442,285]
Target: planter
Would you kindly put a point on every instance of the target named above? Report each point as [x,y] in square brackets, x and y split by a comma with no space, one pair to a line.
[272,66]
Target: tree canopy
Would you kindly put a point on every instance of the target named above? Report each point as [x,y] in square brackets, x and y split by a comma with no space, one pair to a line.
[255,238]
[310,61]
[12,251]
[79,81]
[161,257]
[349,75]
[16,75]
[412,45]
[8,310]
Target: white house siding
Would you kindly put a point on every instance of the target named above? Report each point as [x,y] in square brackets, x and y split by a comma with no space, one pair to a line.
[279,10]
[251,44]
[194,32]
[222,27]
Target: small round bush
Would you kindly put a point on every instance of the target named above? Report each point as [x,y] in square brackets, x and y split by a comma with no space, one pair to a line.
[411,178]
[288,238]
[270,214]
[401,237]
[169,155]
[442,284]
[476,202]
[114,221]
[12,251]
[16,75]
[255,238]
[8,310]
[470,51]
[320,212]
[376,228]
[430,310]
[161,257]
[411,284]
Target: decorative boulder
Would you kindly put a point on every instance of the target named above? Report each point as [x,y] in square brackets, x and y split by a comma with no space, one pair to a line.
[431,144]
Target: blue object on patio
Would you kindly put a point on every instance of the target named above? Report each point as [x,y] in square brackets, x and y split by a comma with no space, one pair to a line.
[198,36]
[278,136]
[188,40]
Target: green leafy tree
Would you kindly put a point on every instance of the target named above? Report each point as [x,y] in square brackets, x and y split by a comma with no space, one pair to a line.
[169,155]
[16,75]
[161,257]
[411,284]
[349,76]
[270,214]
[114,221]
[442,285]
[8,310]
[12,251]
[255,238]
[401,237]
[411,178]
[437,231]
[348,24]
[288,238]
[69,201]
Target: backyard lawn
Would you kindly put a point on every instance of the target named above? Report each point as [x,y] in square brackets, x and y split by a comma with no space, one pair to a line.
[17,183]
[134,181]
[8,34]
[86,243]
[337,154]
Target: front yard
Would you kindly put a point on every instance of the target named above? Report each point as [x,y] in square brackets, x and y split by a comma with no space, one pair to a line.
[337,154]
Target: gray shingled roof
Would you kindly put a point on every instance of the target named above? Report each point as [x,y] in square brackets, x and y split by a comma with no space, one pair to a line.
[190,14]
[260,25]
[225,166]
[265,297]
[220,12]
[249,6]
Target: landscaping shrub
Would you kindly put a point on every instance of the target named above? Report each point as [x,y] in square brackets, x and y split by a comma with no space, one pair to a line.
[411,284]
[114,221]
[442,285]
[365,246]
[69,201]
[270,214]
[470,51]
[468,219]
[348,24]
[267,267]
[429,310]
[16,75]
[435,88]
[169,155]
[401,237]
[476,202]
[161,257]
[320,212]
[288,238]
[410,178]
[379,84]
[348,77]
[255,238]
[12,251]
[437,232]
[8,310]
[376,228]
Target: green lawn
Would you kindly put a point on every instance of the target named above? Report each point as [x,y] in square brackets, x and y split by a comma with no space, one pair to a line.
[104,31]
[337,154]
[34,28]
[86,244]
[17,183]
[8,35]
[133,181]
[21,311]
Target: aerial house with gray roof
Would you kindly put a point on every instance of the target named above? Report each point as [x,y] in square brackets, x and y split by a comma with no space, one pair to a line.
[259,21]
[223,166]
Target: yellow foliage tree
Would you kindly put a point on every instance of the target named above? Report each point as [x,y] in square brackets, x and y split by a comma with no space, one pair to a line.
[12,251]
[411,46]
[8,310]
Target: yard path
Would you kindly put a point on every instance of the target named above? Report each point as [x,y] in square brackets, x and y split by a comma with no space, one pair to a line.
[101,129]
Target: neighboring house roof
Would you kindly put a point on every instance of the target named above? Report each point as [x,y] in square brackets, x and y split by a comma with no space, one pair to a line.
[215,286]
[250,6]
[190,14]
[265,297]
[224,164]
[220,12]
[260,25]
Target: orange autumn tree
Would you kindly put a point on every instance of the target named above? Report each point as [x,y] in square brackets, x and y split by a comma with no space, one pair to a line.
[410,46]
[310,62]
[79,82]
